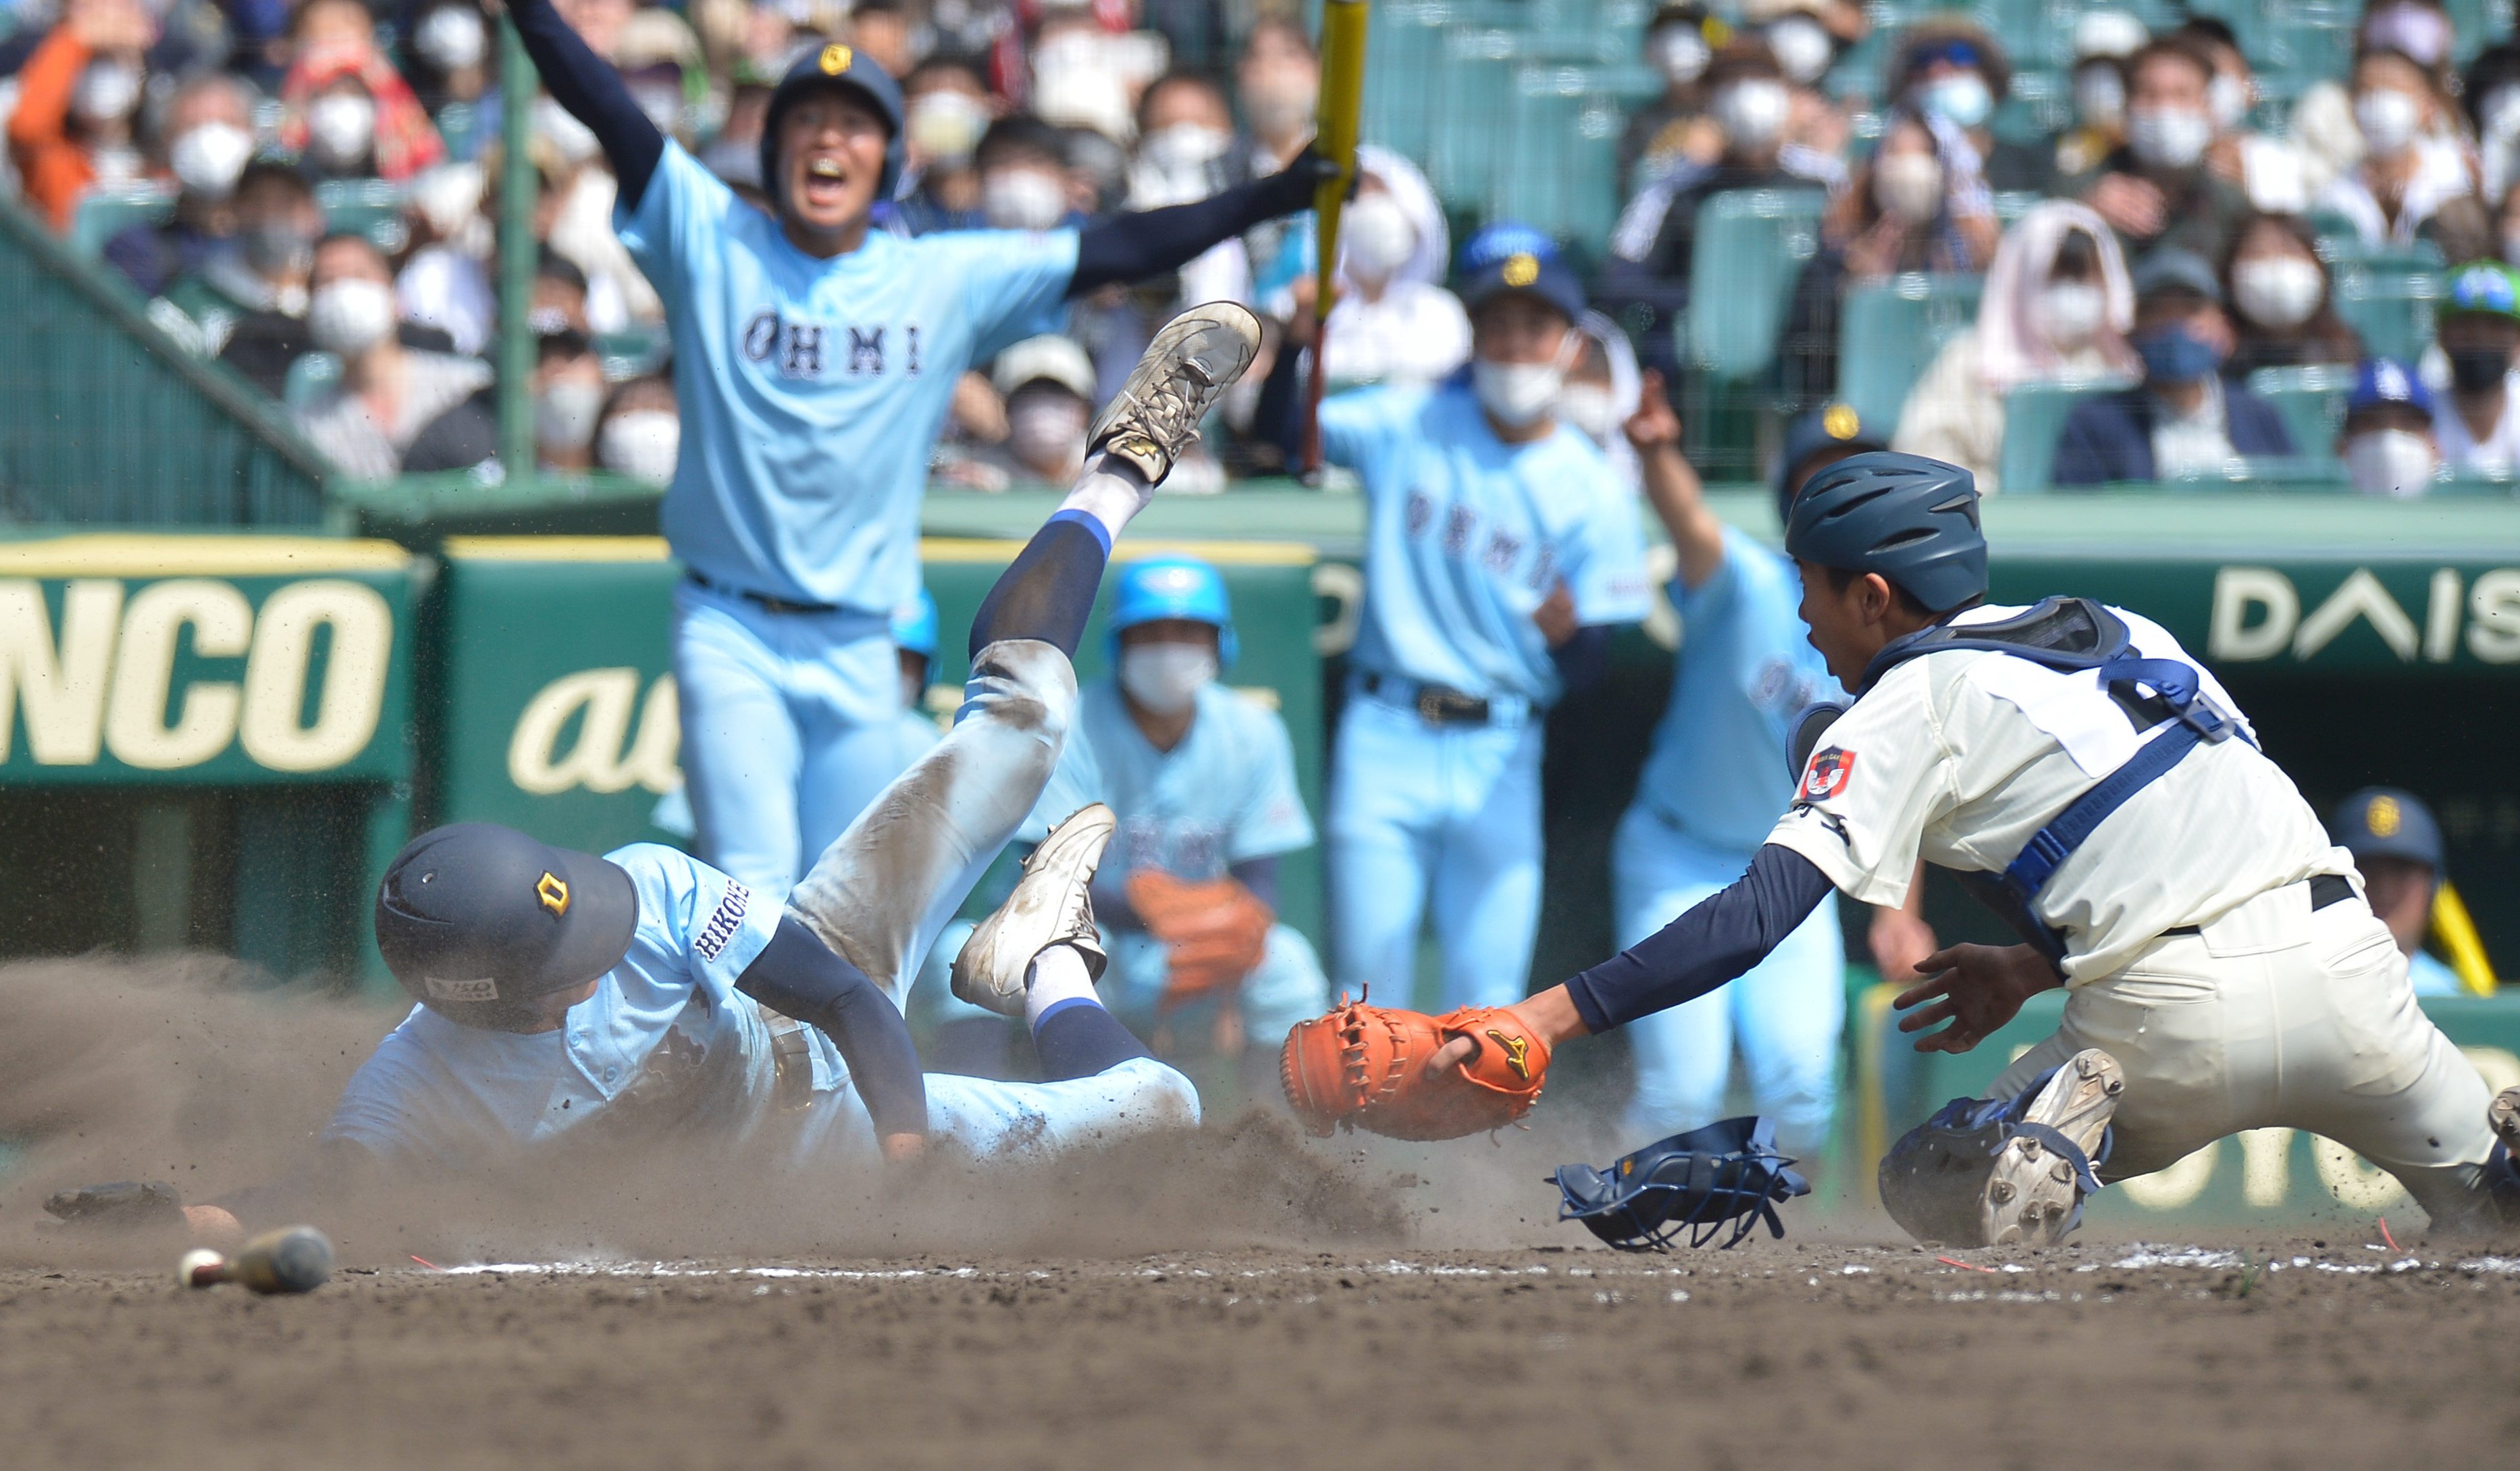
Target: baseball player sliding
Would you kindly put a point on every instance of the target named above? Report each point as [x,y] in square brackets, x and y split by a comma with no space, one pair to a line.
[2074,766]
[558,990]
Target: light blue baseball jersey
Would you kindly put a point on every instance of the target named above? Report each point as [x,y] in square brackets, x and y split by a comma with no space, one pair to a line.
[812,391]
[2430,978]
[1716,767]
[1468,534]
[1226,794]
[665,1038]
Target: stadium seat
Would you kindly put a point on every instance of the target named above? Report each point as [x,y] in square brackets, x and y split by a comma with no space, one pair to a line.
[371,207]
[2311,401]
[2034,419]
[1751,248]
[2389,300]
[105,214]
[310,377]
[1890,333]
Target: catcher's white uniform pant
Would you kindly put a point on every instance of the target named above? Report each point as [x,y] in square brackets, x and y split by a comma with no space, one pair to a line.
[880,895]
[2279,1015]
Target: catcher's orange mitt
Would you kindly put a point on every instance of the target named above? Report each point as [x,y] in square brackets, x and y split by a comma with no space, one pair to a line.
[1215,933]
[1364,1067]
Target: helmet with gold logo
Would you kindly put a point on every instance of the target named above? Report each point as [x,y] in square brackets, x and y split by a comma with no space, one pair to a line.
[845,69]
[481,923]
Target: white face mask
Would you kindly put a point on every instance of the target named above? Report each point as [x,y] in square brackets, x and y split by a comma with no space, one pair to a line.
[2388,120]
[2168,137]
[1517,395]
[1752,113]
[642,443]
[564,414]
[1588,407]
[1045,428]
[2069,313]
[2392,462]
[1185,147]
[1679,53]
[350,315]
[1379,238]
[1962,101]
[1022,198]
[1802,47]
[2227,98]
[448,197]
[944,126]
[2100,96]
[2277,291]
[339,127]
[208,159]
[1277,108]
[450,38]
[104,91]
[1166,677]
[1909,185]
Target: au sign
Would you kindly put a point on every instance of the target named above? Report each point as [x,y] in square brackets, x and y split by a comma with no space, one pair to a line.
[603,756]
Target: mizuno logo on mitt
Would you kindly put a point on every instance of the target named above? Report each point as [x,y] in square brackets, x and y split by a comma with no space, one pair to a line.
[1517,1049]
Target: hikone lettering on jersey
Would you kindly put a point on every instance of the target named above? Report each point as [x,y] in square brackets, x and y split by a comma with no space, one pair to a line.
[105,681]
[2259,614]
[575,732]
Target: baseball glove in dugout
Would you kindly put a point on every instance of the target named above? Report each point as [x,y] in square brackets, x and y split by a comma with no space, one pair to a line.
[1364,1067]
[1214,933]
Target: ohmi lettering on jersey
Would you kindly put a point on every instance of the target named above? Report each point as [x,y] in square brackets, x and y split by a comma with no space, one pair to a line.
[106,682]
[795,349]
[1499,550]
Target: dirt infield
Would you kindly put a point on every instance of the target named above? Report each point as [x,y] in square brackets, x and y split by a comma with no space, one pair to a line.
[1777,1354]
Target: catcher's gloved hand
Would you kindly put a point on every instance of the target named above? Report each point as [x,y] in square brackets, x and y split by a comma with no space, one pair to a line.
[124,1203]
[1215,933]
[1364,1067]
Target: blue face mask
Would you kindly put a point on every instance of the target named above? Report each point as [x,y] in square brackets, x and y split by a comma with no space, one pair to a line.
[2177,355]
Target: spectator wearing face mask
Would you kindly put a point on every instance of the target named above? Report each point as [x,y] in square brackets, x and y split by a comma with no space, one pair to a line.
[2104,39]
[641,433]
[947,110]
[2476,425]
[2056,308]
[1953,76]
[1392,323]
[2490,95]
[1024,183]
[1277,81]
[1912,209]
[209,139]
[2283,308]
[1656,238]
[349,113]
[1674,130]
[2183,419]
[2274,174]
[568,403]
[1048,385]
[1087,70]
[395,409]
[445,280]
[1185,153]
[2410,185]
[76,95]
[450,51]
[248,300]
[2387,442]
[2156,191]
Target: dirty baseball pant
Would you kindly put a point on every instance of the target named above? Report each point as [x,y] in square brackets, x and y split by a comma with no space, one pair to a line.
[882,892]
[2279,1015]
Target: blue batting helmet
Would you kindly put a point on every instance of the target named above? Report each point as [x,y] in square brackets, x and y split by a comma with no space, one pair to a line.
[1911,518]
[914,625]
[842,68]
[1183,587]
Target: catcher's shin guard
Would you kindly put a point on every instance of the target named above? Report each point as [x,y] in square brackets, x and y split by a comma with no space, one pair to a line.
[2008,1171]
[1697,1183]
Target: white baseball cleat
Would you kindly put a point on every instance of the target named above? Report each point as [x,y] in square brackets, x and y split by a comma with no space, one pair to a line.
[1155,418]
[2502,1116]
[1052,905]
[2031,1193]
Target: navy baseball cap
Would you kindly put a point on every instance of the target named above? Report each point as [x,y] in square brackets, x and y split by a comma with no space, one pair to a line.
[478,921]
[2387,823]
[1512,258]
[846,68]
[2382,381]
[1837,426]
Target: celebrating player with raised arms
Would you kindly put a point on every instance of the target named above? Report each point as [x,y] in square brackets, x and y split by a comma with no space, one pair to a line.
[2076,768]
[815,357]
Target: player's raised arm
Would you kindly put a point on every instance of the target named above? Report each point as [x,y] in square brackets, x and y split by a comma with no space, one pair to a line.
[1138,244]
[592,92]
[1672,485]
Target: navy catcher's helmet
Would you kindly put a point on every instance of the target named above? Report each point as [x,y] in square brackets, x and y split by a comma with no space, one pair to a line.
[478,921]
[1911,518]
[841,67]
[1694,1182]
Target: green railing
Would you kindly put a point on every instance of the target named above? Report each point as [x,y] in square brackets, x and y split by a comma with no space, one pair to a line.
[104,419]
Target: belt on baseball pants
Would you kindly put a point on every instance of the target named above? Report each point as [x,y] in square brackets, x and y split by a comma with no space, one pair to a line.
[762,600]
[2325,889]
[1435,704]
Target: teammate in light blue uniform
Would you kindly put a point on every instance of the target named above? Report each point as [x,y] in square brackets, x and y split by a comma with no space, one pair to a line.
[1713,784]
[1203,781]
[1499,547]
[815,356]
[913,652]
[2397,845]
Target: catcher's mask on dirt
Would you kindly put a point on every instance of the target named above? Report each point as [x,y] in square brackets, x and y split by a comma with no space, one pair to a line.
[478,921]
[1694,1182]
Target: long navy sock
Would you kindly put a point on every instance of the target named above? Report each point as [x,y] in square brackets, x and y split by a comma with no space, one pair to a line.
[1078,1039]
[1048,593]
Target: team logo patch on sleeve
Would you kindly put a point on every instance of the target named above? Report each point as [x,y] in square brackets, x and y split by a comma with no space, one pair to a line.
[723,921]
[1827,775]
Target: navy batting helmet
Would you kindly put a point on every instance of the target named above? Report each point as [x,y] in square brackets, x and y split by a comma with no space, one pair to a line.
[1911,518]
[478,921]
[844,69]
